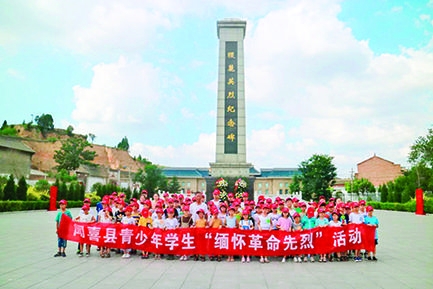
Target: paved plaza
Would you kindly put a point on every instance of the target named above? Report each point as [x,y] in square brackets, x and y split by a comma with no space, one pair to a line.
[28,243]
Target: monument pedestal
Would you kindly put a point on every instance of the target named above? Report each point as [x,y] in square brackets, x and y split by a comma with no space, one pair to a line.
[230,169]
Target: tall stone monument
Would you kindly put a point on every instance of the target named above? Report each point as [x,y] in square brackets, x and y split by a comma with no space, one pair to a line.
[231,133]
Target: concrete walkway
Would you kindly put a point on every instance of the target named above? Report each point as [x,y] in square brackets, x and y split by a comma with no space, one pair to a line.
[28,243]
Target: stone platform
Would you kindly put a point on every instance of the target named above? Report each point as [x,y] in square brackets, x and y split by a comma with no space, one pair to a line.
[28,243]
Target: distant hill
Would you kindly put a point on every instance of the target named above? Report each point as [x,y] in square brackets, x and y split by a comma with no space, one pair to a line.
[108,158]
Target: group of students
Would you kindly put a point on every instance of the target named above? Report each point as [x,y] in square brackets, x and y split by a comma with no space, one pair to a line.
[176,211]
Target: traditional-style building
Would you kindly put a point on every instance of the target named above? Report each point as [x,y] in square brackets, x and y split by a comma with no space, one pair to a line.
[15,157]
[269,182]
[378,170]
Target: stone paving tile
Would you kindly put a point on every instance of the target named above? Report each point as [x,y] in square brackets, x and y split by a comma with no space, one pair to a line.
[28,242]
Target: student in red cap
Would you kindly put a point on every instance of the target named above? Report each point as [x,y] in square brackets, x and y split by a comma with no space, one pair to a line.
[171,223]
[215,223]
[85,217]
[371,220]
[105,217]
[202,223]
[246,224]
[335,222]
[264,224]
[128,219]
[322,221]
[61,243]
[297,226]
[145,221]
[356,218]
[222,215]
[185,222]
[284,224]
[232,223]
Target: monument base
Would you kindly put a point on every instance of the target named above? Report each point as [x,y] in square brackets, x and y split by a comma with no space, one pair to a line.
[210,186]
[230,170]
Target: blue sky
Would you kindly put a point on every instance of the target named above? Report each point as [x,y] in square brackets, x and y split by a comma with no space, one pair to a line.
[344,78]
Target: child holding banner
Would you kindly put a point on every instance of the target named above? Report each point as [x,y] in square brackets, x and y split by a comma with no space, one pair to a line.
[284,223]
[61,242]
[128,220]
[246,224]
[145,221]
[185,222]
[372,221]
[264,224]
[232,222]
[107,218]
[297,226]
[85,217]
[322,221]
[215,223]
[356,218]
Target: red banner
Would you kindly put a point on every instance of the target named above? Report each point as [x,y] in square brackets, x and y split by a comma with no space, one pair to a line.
[224,241]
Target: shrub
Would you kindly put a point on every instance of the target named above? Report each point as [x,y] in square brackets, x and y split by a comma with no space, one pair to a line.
[42,186]
[9,131]
[22,189]
[9,191]
[404,207]
[93,196]
[11,206]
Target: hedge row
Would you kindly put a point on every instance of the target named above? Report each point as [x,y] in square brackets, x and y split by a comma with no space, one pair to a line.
[404,207]
[11,206]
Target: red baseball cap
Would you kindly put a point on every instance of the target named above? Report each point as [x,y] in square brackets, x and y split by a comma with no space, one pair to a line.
[170,211]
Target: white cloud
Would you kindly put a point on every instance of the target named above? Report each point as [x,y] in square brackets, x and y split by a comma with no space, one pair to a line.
[345,100]
[199,153]
[15,74]
[90,27]
[122,97]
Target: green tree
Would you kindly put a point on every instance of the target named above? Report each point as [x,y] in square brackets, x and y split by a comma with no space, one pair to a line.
[69,130]
[73,153]
[174,186]
[151,178]
[295,186]
[62,191]
[91,136]
[3,182]
[45,123]
[383,189]
[318,174]
[22,189]
[42,186]
[421,152]
[142,160]
[4,125]
[9,191]
[124,144]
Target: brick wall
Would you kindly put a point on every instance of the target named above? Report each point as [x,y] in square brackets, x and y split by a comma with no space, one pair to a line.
[378,171]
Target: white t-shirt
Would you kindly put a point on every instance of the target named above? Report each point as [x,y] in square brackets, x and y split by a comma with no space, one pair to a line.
[171,223]
[334,224]
[194,207]
[158,223]
[83,218]
[128,220]
[356,218]
[265,222]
